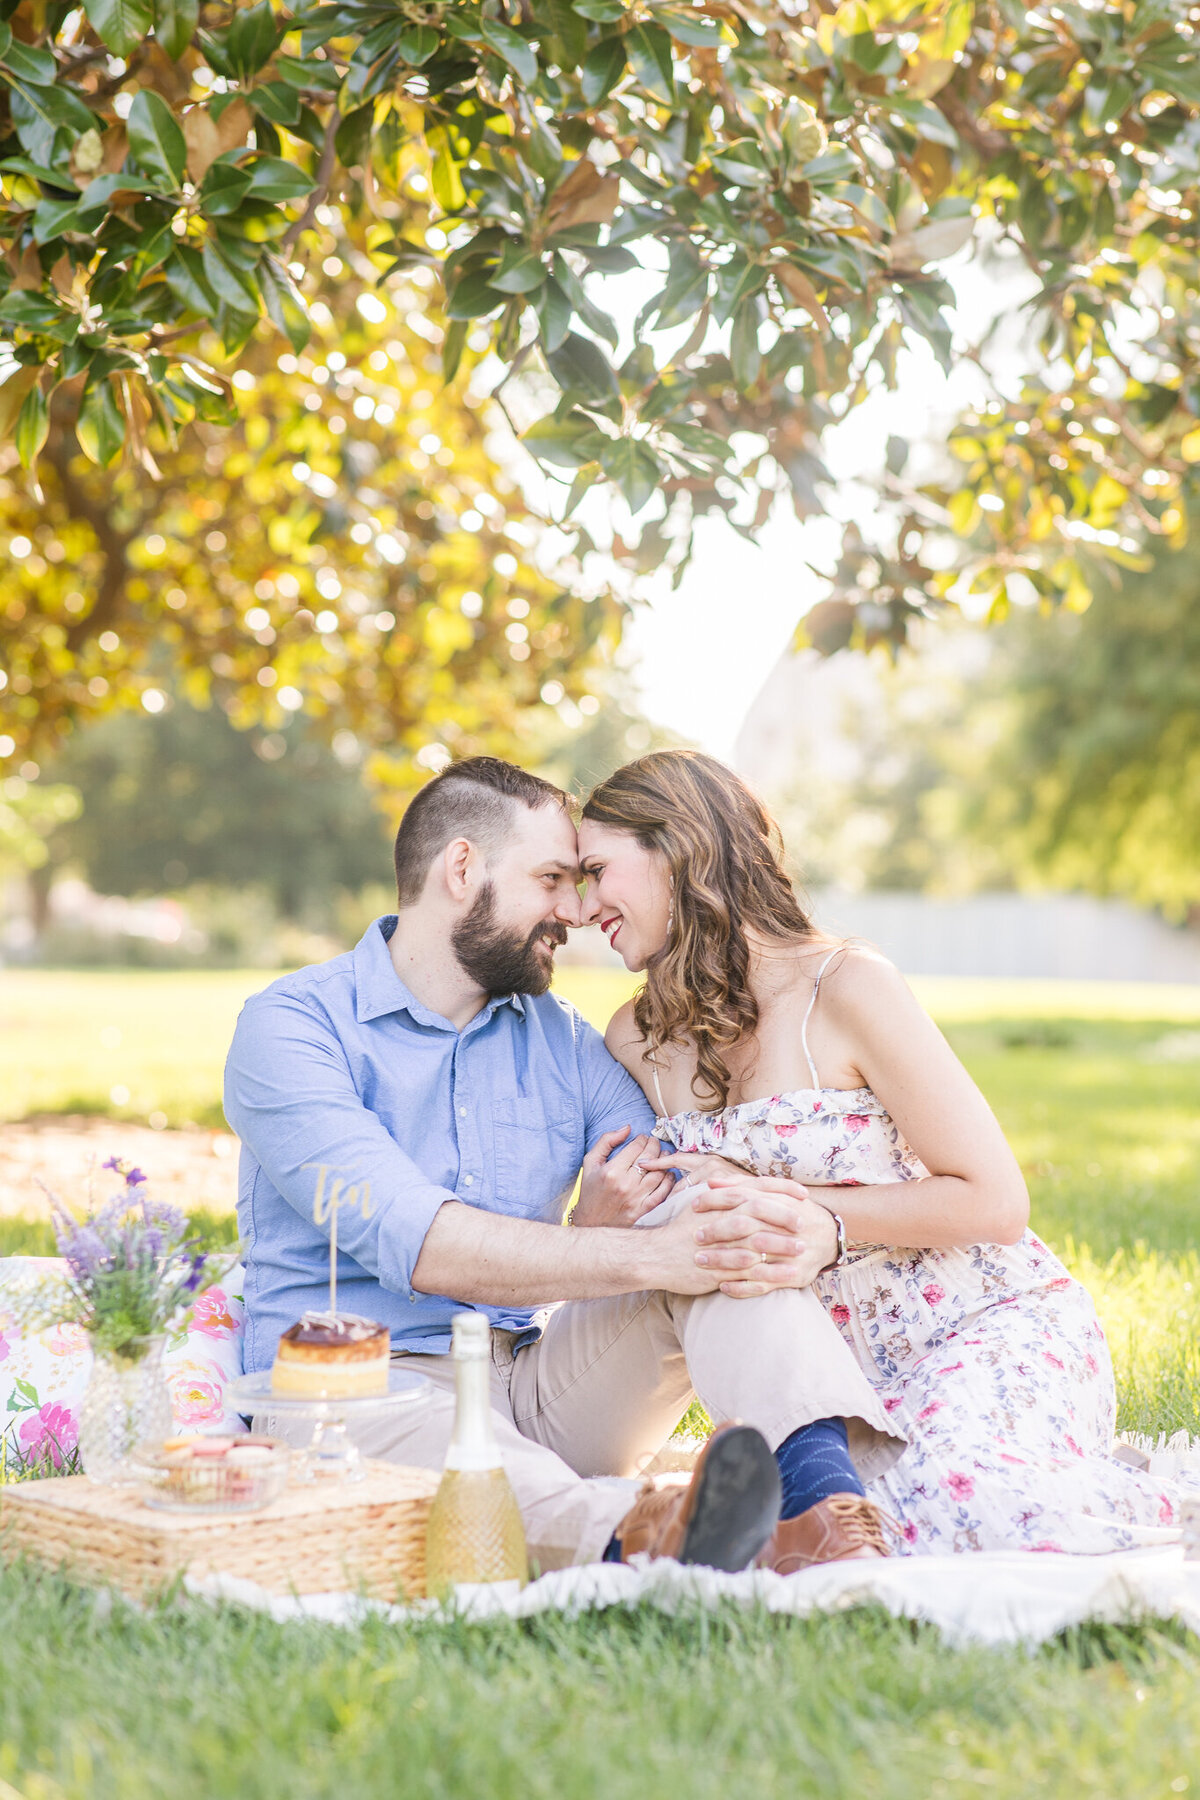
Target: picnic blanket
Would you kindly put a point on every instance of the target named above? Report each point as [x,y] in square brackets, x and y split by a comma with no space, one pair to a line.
[980,1598]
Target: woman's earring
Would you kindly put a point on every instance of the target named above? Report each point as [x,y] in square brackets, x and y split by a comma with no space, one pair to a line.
[671,906]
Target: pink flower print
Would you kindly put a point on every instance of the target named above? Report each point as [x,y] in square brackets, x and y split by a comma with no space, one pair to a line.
[196,1401]
[857,1122]
[786,1130]
[65,1339]
[840,1314]
[959,1487]
[1018,1460]
[1166,1512]
[1054,1549]
[950,1369]
[1072,1446]
[52,1431]
[212,1316]
[1056,1287]
[933,1295]
[1093,1367]
[927,1412]
[1055,1362]
[5,1347]
[910,1532]
[892,1404]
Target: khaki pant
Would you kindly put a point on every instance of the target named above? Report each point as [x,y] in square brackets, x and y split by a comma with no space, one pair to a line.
[580,1413]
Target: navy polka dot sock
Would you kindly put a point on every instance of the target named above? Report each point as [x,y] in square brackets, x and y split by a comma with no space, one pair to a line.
[814,1463]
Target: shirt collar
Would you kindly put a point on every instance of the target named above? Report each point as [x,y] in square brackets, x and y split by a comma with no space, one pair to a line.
[379,990]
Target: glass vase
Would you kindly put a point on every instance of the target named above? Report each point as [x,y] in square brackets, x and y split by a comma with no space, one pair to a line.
[127,1403]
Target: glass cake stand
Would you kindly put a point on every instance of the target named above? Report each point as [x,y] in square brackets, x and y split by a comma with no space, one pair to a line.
[330,1453]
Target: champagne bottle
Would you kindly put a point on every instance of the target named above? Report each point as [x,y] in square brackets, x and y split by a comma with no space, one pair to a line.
[475,1533]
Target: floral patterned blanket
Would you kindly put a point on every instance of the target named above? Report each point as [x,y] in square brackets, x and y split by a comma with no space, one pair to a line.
[43,1374]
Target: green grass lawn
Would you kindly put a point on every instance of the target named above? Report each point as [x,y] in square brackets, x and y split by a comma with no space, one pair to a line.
[202,1703]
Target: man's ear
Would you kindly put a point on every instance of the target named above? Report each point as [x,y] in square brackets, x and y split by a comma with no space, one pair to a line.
[458,865]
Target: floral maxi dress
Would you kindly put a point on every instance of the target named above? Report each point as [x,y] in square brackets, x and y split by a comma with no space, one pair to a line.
[991,1359]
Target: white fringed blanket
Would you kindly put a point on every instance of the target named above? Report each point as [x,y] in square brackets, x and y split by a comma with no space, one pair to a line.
[988,1599]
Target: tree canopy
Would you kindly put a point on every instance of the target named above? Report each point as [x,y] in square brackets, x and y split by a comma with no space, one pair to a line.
[794,174]
[333,539]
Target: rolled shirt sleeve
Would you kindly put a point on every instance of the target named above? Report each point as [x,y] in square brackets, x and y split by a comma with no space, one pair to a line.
[291,1098]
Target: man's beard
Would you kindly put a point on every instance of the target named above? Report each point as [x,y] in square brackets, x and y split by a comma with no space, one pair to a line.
[498,959]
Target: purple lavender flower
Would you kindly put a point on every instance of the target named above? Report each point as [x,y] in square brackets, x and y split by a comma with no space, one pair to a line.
[134,1178]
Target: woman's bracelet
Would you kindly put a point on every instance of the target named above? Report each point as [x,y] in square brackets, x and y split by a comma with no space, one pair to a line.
[840,1258]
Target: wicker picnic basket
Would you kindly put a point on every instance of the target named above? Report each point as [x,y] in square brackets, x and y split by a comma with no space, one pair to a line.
[320,1538]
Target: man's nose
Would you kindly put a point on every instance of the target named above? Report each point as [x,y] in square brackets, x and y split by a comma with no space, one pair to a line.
[589,905]
[568,907]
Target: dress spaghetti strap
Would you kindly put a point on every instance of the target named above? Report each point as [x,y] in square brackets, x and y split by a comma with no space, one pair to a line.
[662,1105]
[812,1067]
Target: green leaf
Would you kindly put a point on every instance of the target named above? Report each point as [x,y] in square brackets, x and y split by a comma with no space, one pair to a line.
[227,283]
[554,314]
[635,469]
[6,38]
[543,152]
[155,137]
[511,48]
[691,28]
[418,44]
[100,426]
[277,101]
[223,189]
[24,306]
[744,355]
[648,48]
[519,270]
[602,70]
[272,178]
[587,477]
[701,442]
[33,65]
[120,24]
[742,163]
[174,25]
[52,218]
[37,112]
[601,12]
[185,278]
[33,427]
[581,367]
[251,39]
[473,297]
[453,345]
[94,201]
[285,308]
[565,443]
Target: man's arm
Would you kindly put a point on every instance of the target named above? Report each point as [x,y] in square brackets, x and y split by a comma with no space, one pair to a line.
[498,1261]
[291,1098]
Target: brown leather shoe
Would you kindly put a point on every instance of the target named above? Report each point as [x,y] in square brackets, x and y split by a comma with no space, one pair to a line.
[722,1518]
[833,1529]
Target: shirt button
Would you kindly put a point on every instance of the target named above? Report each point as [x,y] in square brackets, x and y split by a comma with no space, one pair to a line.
[467,1180]
[462,1112]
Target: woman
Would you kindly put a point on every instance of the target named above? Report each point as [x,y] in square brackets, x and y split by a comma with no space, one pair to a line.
[771,1050]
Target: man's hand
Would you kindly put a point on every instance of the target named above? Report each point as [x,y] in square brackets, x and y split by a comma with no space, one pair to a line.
[613,1189]
[743,1222]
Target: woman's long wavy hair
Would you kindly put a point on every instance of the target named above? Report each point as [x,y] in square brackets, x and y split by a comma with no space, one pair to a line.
[723,850]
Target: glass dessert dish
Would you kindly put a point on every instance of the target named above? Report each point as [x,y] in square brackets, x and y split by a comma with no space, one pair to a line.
[212,1474]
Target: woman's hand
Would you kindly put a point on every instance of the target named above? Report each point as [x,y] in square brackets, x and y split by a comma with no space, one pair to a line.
[614,1189]
[695,1166]
[765,1232]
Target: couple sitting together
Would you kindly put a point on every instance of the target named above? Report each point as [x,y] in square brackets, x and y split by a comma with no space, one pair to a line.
[794,1203]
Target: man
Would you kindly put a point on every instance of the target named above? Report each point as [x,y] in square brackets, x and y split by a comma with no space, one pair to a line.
[431,1072]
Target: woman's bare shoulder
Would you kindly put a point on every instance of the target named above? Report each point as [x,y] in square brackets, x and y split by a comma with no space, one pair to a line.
[862,981]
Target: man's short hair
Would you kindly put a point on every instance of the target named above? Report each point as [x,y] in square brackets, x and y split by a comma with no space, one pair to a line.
[475,799]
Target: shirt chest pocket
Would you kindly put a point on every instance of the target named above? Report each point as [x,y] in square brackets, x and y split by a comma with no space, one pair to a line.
[538,1147]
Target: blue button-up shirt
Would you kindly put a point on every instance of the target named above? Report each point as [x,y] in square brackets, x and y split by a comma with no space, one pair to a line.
[340,1082]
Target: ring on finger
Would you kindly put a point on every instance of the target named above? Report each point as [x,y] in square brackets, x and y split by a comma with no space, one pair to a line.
[763,1257]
